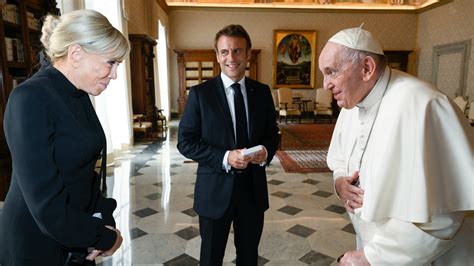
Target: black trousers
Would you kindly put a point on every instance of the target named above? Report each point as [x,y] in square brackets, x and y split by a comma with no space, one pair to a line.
[247,223]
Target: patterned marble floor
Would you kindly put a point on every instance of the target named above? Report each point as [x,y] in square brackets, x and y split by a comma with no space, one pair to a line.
[153,184]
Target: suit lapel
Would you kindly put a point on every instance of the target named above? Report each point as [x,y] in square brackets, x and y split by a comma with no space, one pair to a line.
[223,105]
[252,106]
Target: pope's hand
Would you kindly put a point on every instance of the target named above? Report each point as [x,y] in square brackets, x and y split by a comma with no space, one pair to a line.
[354,258]
[351,195]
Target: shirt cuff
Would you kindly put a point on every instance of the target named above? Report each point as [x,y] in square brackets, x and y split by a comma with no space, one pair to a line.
[266,156]
[225,165]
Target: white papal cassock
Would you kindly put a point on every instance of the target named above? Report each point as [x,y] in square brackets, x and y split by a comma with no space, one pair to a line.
[414,150]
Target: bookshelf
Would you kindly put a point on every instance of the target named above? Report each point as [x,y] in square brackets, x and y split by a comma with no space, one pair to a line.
[20,31]
[142,75]
[398,59]
[199,65]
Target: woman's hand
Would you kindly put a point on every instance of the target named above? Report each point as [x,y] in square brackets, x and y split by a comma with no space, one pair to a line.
[116,245]
[94,253]
[118,241]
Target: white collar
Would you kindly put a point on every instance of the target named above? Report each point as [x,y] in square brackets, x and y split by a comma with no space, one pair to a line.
[228,81]
[377,92]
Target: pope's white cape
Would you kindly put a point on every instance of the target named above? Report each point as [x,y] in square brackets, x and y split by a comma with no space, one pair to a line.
[419,158]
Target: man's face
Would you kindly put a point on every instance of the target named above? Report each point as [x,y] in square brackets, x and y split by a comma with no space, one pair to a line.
[343,79]
[232,56]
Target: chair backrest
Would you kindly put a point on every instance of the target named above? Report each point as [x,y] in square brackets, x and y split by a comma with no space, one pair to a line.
[275,100]
[323,98]
[461,103]
[285,95]
[470,115]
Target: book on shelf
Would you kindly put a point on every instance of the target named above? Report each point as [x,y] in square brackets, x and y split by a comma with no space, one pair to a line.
[10,13]
[33,22]
[192,73]
[208,73]
[15,50]
[9,48]
[20,51]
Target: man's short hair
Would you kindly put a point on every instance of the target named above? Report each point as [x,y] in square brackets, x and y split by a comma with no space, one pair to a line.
[233,30]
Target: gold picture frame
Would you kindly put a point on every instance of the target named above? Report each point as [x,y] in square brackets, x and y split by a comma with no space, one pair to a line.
[294,59]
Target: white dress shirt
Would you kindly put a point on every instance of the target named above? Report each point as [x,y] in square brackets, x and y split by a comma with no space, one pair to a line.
[229,93]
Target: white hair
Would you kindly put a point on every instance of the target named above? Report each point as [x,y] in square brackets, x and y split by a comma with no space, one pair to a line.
[355,56]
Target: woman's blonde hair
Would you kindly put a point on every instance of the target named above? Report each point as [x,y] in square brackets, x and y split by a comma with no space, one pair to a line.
[87,28]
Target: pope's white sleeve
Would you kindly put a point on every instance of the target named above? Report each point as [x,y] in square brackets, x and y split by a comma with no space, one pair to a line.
[397,242]
[335,157]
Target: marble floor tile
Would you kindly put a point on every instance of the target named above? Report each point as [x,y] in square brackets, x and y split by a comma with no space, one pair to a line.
[290,210]
[332,242]
[274,245]
[336,209]
[281,194]
[183,259]
[316,258]
[154,187]
[188,233]
[145,212]
[136,233]
[322,193]
[275,182]
[301,230]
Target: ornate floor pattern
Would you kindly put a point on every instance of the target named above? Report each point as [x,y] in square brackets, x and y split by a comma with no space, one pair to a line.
[153,184]
[303,161]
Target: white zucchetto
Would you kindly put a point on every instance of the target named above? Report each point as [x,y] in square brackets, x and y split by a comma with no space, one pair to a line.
[358,39]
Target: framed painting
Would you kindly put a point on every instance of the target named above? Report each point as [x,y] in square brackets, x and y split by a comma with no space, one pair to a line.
[294,59]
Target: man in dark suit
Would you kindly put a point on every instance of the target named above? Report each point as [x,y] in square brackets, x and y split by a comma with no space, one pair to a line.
[223,117]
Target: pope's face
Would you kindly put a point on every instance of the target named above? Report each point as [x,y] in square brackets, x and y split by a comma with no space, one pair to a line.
[343,79]
[232,55]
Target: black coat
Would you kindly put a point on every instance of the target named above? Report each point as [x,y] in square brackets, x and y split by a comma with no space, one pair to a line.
[206,132]
[55,139]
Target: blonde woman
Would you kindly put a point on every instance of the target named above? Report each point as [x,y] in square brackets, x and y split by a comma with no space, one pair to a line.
[54,213]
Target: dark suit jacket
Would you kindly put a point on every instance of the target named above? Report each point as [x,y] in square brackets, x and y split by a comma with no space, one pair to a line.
[55,139]
[206,132]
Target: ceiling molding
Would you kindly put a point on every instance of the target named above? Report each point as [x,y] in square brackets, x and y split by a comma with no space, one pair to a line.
[303,6]
[164,5]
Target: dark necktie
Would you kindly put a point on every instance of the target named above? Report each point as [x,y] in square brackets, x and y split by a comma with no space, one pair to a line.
[240,118]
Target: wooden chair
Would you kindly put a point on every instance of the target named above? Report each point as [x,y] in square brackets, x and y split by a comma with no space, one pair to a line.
[470,114]
[141,126]
[322,105]
[286,106]
[161,118]
[275,102]
[461,102]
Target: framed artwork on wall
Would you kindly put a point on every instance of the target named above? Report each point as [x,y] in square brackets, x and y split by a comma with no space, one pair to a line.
[450,68]
[294,59]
